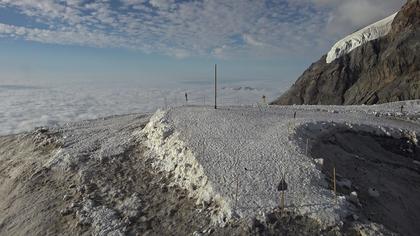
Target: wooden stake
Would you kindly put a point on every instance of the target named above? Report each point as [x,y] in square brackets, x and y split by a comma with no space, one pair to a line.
[215,86]
[307,145]
[335,187]
[236,192]
[282,200]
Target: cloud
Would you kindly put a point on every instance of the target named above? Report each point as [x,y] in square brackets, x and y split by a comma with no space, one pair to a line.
[348,16]
[80,37]
[163,4]
[251,41]
[221,28]
[132,2]
[39,106]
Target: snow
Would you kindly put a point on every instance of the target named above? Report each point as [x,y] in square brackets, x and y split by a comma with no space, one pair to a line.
[103,220]
[99,139]
[211,152]
[174,156]
[352,41]
[231,159]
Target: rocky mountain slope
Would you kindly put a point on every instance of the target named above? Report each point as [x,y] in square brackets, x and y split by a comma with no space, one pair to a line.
[378,66]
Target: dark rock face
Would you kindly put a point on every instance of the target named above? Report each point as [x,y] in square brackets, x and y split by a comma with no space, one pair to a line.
[382,70]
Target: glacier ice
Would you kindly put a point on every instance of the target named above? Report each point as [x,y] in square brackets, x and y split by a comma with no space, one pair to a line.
[358,38]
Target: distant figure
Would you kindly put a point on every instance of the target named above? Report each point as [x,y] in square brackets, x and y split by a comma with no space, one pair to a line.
[263,97]
[294,115]
[402,108]
[186,97]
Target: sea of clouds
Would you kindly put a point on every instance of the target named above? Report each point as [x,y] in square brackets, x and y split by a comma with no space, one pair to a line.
[23,108]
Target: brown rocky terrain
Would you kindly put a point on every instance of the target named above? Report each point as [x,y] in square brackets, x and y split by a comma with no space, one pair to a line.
[382,70]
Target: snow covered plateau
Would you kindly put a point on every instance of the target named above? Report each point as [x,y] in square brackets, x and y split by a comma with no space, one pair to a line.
[228,161]
[358,38]
[236,156]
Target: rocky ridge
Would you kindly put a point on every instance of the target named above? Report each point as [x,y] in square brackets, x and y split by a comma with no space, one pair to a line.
[383,70]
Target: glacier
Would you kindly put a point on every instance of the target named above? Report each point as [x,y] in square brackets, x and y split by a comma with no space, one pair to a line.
[358,38]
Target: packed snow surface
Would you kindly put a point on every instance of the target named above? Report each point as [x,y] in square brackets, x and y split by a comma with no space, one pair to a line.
[238,155]
[358,38]
[232,158]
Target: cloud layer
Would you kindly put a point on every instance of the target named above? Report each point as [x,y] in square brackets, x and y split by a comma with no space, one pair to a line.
[221,28]
[25,107]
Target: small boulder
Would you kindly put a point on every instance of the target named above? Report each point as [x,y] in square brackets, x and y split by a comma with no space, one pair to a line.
[66,211]
[373,192]
[353,197]
[319,161]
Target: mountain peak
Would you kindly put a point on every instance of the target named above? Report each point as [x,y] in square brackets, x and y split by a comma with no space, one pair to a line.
[377,64]
[407,18]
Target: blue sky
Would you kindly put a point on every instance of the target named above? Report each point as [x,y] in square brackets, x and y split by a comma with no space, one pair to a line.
[160,42]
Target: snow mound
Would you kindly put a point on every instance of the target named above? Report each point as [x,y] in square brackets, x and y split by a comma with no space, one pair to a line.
[176,158]
[352,41]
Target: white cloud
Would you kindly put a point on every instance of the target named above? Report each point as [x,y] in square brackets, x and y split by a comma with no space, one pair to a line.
[348,16]
[163,4]
[81,37]
[197,28]
[251,41]
[133,2]
[38,106]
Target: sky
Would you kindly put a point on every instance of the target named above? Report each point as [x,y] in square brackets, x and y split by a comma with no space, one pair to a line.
[164,42]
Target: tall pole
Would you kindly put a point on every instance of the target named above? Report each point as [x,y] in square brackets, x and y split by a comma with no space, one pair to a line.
[335,187]
[281,200]
[236,191]
[215,86]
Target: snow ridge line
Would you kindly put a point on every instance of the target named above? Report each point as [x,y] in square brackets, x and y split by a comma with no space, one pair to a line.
[173,156]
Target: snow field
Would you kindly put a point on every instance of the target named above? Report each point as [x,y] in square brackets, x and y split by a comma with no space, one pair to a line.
[358,38]
[238,155]
[242,164]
